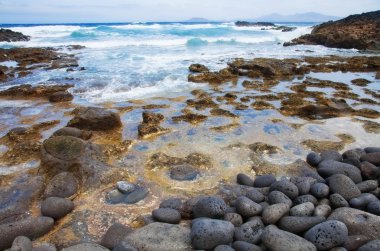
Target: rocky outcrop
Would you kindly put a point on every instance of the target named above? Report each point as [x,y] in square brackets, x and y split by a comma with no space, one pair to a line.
[95,118]
[253,24]
[55,93]
[7,35]
[361,32]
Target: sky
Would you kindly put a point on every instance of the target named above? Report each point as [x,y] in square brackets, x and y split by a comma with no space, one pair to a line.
[66,11]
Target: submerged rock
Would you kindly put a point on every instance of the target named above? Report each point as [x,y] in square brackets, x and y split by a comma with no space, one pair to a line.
[94,118]
[183,172]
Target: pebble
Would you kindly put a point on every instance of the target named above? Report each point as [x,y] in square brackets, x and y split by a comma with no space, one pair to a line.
[371,246]
[209,233]
[234,218]
[328,168]
[338,201]
[62,185]
[250,231]
[305,209]
[279,240]
[136,195]
[353,242]
[265,180]
[247,208]
[313,159]
[322,210]
[114,235]
[303,184]
[211,207]
[362,201]
[167,215]
[276,197]
[306,198]
[173,203]
[373,158]
[327,235]
[331,155]
[320,190]
[343,185]
[353,162]
[368,186]
[22,243]
[286,187]
[374,207]
[56,208]
[125,187]
[274,213]
[369,171]
[183,173]
[353,153]
[244,179]
[255,195]
[297,225]
[372,149]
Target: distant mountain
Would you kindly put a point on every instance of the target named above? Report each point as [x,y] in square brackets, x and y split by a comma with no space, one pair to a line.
[197,20]
[299,17]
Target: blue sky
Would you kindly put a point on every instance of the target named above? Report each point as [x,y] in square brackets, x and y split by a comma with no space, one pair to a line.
[52,11]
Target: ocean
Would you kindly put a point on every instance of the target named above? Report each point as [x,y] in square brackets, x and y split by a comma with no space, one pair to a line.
[127,61]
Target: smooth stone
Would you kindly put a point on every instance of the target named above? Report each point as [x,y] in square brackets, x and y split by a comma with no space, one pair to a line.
[244,179]
[173,203]
[362,201]
[313,159]
[331,155]
[343,185]
[31,228]
[21,243]
[209,233]
[211,207]
[286,187]
[125,187]
[358,222]
[369,171]
[74,132]
[305,209]
[322,210]
[136,195]
[274,213]
[159,236]
[276,197]
[303,184]
[166,215]
[86,247]
[373,158]
[338,201]
[255,195]
[353,242]
[372,149]
[114,235]
[320,190]
[279,240]
[245,246]
[265,180]
[115,197]
[374,207]
[234,218]
[56,207]
[327,235]
[328,168]
[306,198]
[250,231]
[353,162]
[297,225]
[371,246]
[183,173]
[224,248]
[368,186]
[247,208]
[62,185]
[124,246]
[353,153]
[324,201]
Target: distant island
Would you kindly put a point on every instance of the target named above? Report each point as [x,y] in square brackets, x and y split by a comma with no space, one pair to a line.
[299,17]
[198,20]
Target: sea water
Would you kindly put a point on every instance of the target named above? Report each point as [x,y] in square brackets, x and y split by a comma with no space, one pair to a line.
[144,60]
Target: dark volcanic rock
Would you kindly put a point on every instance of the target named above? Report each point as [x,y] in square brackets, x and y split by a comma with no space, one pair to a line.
[167,215]
[358,222]
[62,185]
[61,97]
[362,201]
[234,218]
[327,235]
[320,190]
[286,187]
[313,159]
[279,240]
[31,228]
[250,231]
[356,31]
[369,171]
[244,179]
[56,208]
[306,198]
[328,168]
[247,207]
[368,186]
[39,91]
[7,35]
[114,235]
[208,233]
[303,183]
[343,185]
[370,246]
[273,213]
[264,180]
[211,207]
[183,172]
[305,209]
[322,210]
[338,201]
[297,225]
[275,197]
[373,158]
[374,207]
[353,242]
[331,155]
[94,118]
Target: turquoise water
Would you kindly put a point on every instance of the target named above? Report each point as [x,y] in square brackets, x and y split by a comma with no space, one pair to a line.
[134,61]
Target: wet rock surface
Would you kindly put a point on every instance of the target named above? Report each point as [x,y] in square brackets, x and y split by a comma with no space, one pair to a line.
[7,35]
[94,118]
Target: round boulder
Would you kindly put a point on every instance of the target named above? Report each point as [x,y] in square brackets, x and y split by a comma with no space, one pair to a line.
[167,215]
[273,213]
[56,207]
[250,231]
[286,187]
[343,185]
[327,235]
[247,208]
[211,207]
